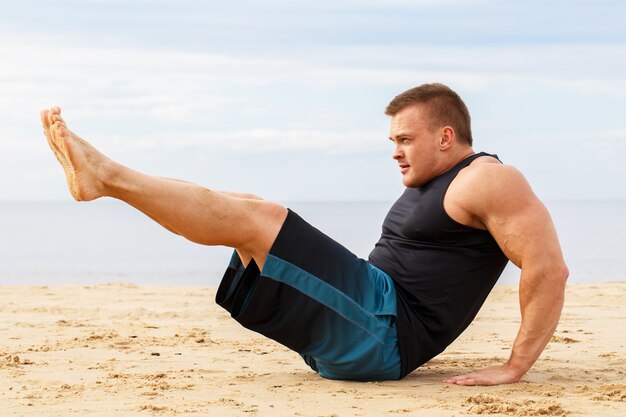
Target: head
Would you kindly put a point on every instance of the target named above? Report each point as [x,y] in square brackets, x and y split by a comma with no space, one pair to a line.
[430,126]
[441,107]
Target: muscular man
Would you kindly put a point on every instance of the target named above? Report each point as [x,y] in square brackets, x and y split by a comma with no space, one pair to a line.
[444,244]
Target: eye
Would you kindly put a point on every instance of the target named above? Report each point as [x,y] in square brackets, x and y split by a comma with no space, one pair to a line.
[401,141]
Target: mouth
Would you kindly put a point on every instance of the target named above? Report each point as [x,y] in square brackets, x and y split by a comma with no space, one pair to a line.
[404,168]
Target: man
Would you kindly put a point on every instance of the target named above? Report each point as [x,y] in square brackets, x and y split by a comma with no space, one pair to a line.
[444,244]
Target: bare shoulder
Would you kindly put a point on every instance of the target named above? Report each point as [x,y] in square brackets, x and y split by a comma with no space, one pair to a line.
[491,178]
[483,189]
[498,198]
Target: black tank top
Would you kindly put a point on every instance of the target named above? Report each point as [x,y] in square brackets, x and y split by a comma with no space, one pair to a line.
[442,270]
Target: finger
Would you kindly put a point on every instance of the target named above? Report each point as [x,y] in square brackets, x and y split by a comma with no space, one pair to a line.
[469,381]
[457,378]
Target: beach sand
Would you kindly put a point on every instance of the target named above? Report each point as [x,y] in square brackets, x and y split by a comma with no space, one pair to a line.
[126,350]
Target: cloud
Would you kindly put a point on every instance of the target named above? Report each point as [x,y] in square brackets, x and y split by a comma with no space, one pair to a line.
[195,94]
[176,85]
[265,140]
[113,72]
[247,141]
[398,3]
[290,82]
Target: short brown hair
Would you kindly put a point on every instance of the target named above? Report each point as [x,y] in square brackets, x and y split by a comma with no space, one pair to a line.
[445,108]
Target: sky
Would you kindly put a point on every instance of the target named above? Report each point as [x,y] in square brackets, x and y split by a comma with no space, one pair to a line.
[286,99]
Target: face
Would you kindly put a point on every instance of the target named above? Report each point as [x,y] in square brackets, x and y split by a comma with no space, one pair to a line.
[417,146]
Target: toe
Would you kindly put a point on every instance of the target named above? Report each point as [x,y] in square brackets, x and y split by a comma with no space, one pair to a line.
[44,119]
[53,114]
[56,134]
[61,132]
[58,126]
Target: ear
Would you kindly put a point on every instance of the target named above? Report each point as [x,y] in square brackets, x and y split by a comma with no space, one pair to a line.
[448,137]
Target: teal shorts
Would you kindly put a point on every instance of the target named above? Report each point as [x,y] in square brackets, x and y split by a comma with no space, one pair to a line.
[317,298]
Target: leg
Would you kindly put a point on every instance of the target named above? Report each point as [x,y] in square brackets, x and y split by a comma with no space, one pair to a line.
[243,256]
[204,216]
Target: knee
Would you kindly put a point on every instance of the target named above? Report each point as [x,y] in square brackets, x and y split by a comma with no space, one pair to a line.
[273,212]
[267,220]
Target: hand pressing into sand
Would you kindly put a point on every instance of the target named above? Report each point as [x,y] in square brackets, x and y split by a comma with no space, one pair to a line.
[495,375]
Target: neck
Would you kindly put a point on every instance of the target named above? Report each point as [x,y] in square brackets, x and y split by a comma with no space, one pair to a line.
[465,152]
[458,156]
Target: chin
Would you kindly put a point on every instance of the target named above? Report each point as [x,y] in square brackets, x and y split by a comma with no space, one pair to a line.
[408,183]
[412,182]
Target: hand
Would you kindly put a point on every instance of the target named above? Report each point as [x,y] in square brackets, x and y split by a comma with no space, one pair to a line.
[495,375]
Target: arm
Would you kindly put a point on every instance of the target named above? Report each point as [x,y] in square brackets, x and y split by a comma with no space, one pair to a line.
[499,198]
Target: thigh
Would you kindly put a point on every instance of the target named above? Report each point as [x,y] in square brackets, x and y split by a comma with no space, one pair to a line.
[260,223]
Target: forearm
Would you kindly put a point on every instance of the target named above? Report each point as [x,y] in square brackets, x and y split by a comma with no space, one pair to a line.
[541,295]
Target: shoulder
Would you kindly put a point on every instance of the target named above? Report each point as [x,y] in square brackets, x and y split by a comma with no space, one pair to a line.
[485,188]
[489,176]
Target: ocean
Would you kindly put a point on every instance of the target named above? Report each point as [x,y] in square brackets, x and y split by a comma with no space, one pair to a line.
[45,243]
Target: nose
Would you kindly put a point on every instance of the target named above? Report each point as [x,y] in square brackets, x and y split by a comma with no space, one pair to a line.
[397,153]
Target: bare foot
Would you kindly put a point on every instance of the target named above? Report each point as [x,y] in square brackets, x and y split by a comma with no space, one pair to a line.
[80,161]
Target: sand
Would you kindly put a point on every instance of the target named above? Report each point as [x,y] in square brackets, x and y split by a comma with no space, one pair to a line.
[127,350]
